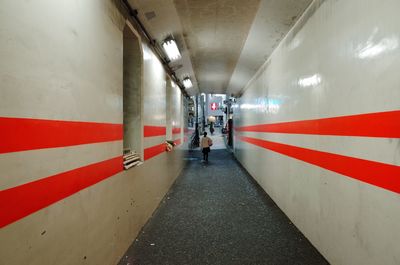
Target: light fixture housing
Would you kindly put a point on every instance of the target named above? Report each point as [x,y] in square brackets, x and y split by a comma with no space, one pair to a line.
[171,49]
[187,83]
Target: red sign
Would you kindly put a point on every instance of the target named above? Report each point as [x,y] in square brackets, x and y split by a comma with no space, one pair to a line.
[214,106]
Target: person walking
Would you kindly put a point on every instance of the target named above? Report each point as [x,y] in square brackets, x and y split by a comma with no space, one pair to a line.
[212,128]
[205,144]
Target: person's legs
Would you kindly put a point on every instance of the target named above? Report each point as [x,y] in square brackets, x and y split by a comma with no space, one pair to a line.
[206,156]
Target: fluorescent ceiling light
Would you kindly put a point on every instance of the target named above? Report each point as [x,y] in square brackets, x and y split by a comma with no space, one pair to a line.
[187,83]
[171,49]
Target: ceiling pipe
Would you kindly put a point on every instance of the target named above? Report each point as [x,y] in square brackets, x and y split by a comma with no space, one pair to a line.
[133,14]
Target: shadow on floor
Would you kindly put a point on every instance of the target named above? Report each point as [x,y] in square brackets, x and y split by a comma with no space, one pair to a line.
[215,214]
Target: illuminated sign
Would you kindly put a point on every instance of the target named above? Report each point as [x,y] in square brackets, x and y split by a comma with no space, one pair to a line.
[214,106]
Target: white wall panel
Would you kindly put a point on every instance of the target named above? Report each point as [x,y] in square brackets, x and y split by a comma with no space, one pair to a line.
[154,89]
[22,167]
[177,112]
[63,61]
[57,56]
[340,59]
[360,147]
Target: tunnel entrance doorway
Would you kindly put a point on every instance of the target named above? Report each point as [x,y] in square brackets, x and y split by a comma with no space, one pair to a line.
[132,96]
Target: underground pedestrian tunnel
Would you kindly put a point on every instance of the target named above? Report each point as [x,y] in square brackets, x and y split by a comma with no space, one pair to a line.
[103,105]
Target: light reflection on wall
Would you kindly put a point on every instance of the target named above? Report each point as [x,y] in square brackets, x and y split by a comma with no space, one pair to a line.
[263,105]
[372,48]
[295,43]
[310,81]
[146,54]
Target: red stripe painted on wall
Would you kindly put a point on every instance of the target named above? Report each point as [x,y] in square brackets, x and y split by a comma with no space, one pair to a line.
[154,151]
[23,200]
[150,131]
[176,130]
[375,173]
[381,124]
[21,134]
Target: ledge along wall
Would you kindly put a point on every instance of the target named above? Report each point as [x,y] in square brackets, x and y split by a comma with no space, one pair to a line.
[64,197]
[318,128]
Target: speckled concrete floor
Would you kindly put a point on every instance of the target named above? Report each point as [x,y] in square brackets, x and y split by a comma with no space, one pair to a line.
[214,214]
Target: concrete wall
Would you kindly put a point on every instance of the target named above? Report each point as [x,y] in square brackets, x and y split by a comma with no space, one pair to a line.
[169,108]
[174,112]
[186,134]
[64,197]
[318,128]
[177,115]
[132,91]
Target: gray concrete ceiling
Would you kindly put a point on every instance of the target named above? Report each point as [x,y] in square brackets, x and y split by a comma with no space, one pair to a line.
[223,42]
[215,31]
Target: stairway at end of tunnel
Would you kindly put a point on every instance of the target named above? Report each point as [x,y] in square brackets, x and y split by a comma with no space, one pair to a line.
[215,214]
